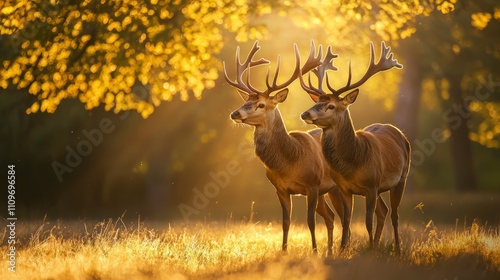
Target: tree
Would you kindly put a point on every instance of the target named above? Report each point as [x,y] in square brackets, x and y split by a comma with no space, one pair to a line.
[451,42]
[457,56]
[93,61]
[101,51]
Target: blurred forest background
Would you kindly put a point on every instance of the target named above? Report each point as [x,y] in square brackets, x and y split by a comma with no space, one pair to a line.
[118,105]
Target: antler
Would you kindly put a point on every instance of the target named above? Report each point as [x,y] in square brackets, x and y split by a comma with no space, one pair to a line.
[385,62]
[241,67]
[320,72]
[312,62]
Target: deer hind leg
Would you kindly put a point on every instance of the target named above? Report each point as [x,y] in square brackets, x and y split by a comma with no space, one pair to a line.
[338,205]
[326,212]
[381,212]
[346,225]
[312,204]
[396,195]
[286,206]
[371,202]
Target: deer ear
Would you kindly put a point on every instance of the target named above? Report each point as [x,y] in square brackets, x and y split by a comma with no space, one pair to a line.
[351,97]
[243,95]
[280,96]
[314,97]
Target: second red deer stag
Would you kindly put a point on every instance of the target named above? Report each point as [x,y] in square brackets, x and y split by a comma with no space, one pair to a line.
[293,161]
[365,162]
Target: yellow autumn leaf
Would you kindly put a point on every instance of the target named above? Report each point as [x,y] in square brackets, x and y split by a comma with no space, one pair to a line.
[7,10]
[480,20]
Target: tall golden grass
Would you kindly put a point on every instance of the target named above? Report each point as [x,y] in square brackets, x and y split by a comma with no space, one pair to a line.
[112,249]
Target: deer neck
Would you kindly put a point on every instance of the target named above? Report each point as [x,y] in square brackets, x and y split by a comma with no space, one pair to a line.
[273,145]
[341,146]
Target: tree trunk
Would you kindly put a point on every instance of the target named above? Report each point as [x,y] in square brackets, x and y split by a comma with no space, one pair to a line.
[461,149]
[409,93]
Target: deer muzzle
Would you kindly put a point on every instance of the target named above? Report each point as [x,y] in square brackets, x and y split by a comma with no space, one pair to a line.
[306,117]
[236,116]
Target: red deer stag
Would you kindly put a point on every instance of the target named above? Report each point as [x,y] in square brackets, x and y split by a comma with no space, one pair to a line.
[293,161]
[365,162]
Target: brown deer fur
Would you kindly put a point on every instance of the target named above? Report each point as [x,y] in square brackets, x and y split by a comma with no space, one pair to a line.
[294,163]
[366,162]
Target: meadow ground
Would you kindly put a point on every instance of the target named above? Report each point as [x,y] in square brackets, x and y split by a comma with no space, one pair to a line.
[113,249]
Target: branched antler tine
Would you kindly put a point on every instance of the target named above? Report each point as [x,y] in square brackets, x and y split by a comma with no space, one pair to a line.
[310,88]
[298,70]
[344,88]
[248,61]
[252,89]
[387,58]
[328,61]
[295,75]
[313,89]
[312,61]
[302,84]
[275,79]
[381,63]
[385,62]
[267,77]
[350,73]
[225,74]
[237,58]
[312,64]
[236,84]
[372,54]
[326,65]
[328,84]
[242,67]
[385,50]
[372,66]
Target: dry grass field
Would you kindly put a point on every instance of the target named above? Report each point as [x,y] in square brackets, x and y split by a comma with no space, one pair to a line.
[115,249]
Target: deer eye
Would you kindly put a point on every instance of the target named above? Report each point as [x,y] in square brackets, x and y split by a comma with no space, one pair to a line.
[331,107]
[261,105]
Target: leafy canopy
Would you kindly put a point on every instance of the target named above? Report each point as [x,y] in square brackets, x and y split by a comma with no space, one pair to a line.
[125,54]
[134,54]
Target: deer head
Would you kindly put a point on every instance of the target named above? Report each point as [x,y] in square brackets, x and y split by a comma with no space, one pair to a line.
[330,107]
[259,104]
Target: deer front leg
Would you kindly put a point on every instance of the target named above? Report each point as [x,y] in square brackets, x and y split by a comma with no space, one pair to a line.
[381,212]
[371,202]
[346,225]
[338,204]
[326,212]
[286,206]
[312,203]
